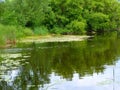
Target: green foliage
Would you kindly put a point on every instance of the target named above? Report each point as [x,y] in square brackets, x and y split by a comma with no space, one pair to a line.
[70,13]
[42,30]
[77,27]
[24,12]
[99,22]
[62,16]
[2,40]
[22,32]
[58,30]
[8,32]
[63,12]
[27,32]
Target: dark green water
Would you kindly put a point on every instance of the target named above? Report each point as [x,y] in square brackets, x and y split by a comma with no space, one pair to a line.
[93,64]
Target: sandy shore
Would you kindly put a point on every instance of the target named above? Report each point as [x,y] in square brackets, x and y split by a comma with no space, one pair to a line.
[50,38]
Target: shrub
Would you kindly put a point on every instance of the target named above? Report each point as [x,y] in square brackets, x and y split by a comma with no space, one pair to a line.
[2,40]
[58,30]
[8,32]
[77,27]
[22,32]
[98,22]
[27,32]
[42,30]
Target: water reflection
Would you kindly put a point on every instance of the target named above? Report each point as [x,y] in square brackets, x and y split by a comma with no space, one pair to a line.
[61,66]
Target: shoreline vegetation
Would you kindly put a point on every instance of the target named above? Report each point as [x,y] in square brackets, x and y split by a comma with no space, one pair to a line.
[45,39]
[24,18]
[54,38]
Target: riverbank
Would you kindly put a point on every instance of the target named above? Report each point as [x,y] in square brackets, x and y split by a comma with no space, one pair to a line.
[47,38]
[53,38]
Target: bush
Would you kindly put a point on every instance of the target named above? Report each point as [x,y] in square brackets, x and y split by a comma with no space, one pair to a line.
[27,32]
[8,32]
[77,27]
[58,30]
[2,40]
[42,30]
[12,33]
[98,22]
[22,32]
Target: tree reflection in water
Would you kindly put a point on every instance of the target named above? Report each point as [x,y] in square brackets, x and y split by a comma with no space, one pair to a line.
[64,59]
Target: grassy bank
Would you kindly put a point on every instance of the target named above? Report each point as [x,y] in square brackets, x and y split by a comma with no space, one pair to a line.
[9,34]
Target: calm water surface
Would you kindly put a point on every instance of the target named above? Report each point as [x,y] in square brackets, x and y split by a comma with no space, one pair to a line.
[93,64]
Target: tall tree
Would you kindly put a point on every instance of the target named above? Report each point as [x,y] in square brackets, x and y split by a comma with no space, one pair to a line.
[24,12]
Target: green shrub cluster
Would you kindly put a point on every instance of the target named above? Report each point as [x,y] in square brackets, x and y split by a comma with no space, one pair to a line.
[83,16]
[99,22]
[8,32]
[42,30]
[77,27]
[58,30]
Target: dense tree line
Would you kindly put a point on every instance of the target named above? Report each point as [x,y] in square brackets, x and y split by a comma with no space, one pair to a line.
[62,16]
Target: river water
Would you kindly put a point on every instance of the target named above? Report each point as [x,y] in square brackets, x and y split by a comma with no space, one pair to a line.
[92,64]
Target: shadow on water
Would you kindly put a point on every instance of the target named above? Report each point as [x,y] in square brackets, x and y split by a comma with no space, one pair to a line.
[38,61]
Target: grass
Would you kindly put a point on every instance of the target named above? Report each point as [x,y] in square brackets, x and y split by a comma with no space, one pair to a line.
[42,30]
[39,34]
[11,33]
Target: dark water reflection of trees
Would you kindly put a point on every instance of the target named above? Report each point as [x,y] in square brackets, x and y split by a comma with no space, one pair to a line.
[64,59]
